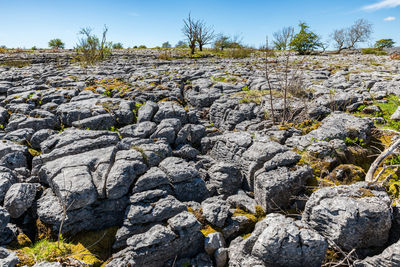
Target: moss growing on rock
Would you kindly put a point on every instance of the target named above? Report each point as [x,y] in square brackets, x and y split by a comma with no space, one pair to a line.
[208,229]
[92,247]
[110,85]
[307,126]
[346,174]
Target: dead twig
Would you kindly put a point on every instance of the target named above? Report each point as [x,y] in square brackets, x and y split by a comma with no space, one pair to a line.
[375,165]
[383,170]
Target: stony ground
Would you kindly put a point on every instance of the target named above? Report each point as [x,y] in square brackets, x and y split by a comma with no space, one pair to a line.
[181,160]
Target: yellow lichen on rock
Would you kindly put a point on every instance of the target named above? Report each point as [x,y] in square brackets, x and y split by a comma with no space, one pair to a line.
[207,229]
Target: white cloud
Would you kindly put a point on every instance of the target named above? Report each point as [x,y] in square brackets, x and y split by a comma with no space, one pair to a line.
[383,4]
[389,19]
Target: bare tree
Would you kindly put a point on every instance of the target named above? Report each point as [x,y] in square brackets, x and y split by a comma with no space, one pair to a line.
[104,44]
[348,38]
[340,39]
[360,31]
[324,45]
[283,38]
[205,34]
[190,31]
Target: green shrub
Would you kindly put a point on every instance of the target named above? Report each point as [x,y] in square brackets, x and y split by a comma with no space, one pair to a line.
[356,141]
[384,43]
[117,46]
[181,44]
[90,49]
[305,41]
[56,44]
[166,45]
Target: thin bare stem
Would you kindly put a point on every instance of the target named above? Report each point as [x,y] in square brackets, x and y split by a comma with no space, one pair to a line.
[269,81]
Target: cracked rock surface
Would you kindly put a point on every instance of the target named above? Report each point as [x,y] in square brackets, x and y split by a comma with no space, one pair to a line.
[183,158]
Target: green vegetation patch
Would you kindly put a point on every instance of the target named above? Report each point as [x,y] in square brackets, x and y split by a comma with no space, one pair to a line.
[16,63]
[111,84]
[373,51]
[92,248]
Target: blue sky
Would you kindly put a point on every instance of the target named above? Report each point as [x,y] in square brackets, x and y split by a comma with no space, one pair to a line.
[27,23]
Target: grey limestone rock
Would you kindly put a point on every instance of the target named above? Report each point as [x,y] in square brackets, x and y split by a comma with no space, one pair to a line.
[41,136]
[141,130]
[99,215]
[167,129]
[389,257]
[7,179]
[215,210]
[354,216]
[4,218]
[170,110]
[147,111]
[186,152]
[99,122]
[225,178]
[8,258]
[19,198]
[213,242]
[396,115]
[180,238]
[338,125]
[278,241]
[47,264]
[13,155]
[147,208]
[274,189]
[154,178]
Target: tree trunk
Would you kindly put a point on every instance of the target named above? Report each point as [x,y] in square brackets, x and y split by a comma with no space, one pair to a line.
[201,47]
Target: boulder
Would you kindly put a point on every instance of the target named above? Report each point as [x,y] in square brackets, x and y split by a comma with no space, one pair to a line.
[225,178]
[13,155]
[274,189]
[215,211]
[389,257]
[213,242]
[19,198]
[140,130]
[99,215]
[4,218]
[146,209]
[7,179]
[338,125]
[352,216]
[8,258]
[278,241]
[179,237]
[147,111]
[99,122]
[185,179]
[396,115]
[170,110]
